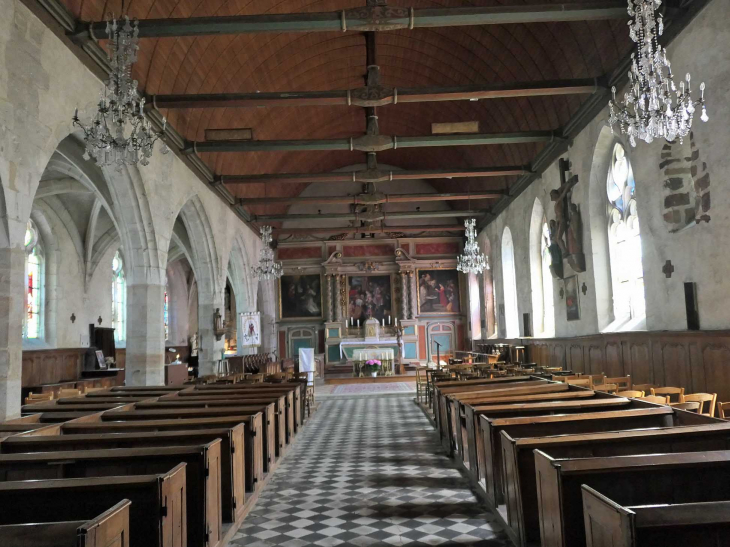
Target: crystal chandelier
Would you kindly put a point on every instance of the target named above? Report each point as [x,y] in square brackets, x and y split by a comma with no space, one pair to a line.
[267,267]
[471,260]
[653,107]
[120,134]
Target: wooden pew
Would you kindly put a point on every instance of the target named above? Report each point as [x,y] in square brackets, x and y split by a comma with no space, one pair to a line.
[101,400]
[518,458]
[124,389]
[253,451]
[20,425]
[265,412]
[281,434]
[635,480]
[50,407]
[109,528]
[473,445]
[156,516]
[202,476]
[699,524]
[233,478]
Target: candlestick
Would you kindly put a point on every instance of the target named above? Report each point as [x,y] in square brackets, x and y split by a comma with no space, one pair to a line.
[358,323]
[389,322]
[396,321]
[383,322]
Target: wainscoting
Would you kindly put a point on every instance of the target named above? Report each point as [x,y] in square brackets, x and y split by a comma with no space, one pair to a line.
[697,361]
[52,366]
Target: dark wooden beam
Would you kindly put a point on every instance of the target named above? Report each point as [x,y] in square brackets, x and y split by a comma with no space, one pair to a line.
[373,143]
[356,217]
[370,19]
[370,230]
[380,175]
[369,199]
[392,96]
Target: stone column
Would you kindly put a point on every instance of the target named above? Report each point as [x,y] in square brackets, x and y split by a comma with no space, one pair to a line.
[211,350]
[328,293]
[12,280]
[338,297]
[413,282]
[404,291]
[145,361]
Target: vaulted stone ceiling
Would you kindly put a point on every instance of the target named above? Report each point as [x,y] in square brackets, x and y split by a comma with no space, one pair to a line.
[318,61]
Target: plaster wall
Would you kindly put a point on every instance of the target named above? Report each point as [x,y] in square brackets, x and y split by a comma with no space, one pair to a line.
[699,253]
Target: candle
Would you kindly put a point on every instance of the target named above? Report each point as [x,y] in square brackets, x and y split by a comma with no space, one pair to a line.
[358,323]
[396,321]
[383,322]
[389,320]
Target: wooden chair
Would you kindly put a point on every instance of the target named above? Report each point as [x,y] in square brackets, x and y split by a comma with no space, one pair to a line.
[68,393]
[421,383]
[623,382]
[721,408]
[658,399]
[38,397]
[679,391]
[692,406]
[596,379]
[582,382]
[634,393]
[702,398]
[646,388]
[607,388]
[564,379]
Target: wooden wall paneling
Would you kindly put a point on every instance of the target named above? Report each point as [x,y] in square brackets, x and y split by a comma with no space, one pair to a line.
[576,358]
[596,359]
[614,365]
[558,357]
[640,367]
[696,370]
[716,364]
[657,363]
[675,360]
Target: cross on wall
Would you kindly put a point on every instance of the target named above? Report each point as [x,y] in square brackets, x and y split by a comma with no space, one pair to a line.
[668,269]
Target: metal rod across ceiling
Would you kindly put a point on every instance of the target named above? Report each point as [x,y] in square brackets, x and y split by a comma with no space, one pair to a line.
[370,229]
[354,216]
[366,19]
[372,200]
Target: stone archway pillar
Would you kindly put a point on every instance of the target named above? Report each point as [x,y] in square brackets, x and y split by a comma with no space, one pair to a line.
[211,350]
[12,275]
[145,362]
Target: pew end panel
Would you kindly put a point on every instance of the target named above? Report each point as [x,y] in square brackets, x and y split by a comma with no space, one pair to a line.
[606,522]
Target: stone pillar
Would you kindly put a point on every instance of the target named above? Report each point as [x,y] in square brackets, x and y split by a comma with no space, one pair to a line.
[405,296]
[211,350]
[413,282]
[12,279]
[328,296]
[145,362]
[338,297]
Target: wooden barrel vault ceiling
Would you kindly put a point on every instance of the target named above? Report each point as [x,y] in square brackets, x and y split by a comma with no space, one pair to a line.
[590,51]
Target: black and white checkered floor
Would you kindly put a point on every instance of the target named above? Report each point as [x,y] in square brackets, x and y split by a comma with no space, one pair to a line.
[369,471]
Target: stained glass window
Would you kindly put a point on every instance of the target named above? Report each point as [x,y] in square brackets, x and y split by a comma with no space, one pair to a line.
[34,283]
[119,299]
[165,313]
[624,239]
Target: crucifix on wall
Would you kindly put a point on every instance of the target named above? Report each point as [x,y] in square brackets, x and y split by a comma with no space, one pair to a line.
[566,230]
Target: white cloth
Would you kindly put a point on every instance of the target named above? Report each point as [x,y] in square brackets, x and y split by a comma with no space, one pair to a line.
[306,363]
[373,353]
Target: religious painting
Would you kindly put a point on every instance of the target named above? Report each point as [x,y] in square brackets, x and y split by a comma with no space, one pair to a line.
[438,291]
[369,296]
[251,329]
[572,304]
[300,296]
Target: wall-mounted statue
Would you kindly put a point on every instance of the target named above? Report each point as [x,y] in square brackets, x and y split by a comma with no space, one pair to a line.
[566,231]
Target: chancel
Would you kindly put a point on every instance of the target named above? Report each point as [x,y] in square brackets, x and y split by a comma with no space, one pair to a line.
[364,272]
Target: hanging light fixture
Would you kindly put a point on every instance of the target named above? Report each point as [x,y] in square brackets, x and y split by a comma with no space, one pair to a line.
[267,267]
[472,260]
[120,134]
[653,107]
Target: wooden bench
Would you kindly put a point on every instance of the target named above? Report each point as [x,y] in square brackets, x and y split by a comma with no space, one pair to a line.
[20,425]
[109,528]
[52,406]
[202,476]
[607,439]
[634,480]
[264,412]
[233,475]
[253,450]
[157,514]
[699,524]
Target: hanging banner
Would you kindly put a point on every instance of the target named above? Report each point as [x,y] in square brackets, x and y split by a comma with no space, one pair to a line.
[251,329]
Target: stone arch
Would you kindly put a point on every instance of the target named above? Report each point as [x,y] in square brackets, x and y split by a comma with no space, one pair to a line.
[47,225]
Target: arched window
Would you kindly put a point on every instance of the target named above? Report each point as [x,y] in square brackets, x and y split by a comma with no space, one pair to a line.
[548,309]
[624,240]
[119,299]
[509,281]
[475,307]
[34,270]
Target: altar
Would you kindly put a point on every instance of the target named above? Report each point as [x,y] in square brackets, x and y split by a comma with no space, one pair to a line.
[371,346]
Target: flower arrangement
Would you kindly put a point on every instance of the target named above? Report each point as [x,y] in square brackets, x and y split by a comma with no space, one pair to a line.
[372,366]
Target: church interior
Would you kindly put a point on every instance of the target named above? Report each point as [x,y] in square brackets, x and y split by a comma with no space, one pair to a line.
[364,272]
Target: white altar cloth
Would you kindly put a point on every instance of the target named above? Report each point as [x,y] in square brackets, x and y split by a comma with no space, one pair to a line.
[373,353]
[375,346]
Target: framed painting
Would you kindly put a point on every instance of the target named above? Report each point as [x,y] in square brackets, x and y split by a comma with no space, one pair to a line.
[572,303]
[300,296]
[438,292]
[369,296]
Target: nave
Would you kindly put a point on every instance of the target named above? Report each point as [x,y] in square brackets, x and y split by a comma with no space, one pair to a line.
[369,471]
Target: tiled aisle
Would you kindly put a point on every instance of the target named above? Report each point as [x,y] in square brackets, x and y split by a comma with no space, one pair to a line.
[368,471]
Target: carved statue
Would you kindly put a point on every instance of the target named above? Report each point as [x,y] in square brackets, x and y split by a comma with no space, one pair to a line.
[575,231]
[566,231]
[556,255]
